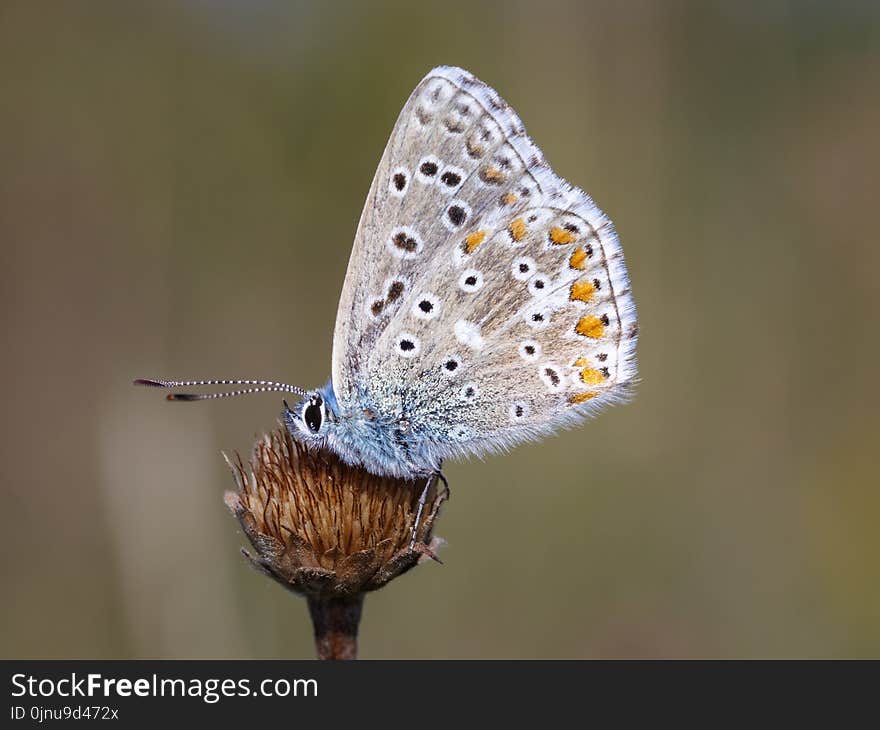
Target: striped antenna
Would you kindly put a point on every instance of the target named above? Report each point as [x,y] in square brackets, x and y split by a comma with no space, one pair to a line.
[260,386]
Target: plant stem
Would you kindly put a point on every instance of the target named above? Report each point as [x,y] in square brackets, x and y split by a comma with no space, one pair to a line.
[336,622]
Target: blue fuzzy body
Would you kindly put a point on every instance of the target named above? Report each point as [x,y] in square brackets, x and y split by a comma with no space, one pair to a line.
[384,444]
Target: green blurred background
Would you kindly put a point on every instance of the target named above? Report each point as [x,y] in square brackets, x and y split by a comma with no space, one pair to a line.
[179,188]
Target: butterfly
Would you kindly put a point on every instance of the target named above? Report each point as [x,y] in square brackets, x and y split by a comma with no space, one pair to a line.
[486,301]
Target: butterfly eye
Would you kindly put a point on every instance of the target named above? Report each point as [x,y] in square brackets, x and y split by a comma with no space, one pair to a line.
[313,417]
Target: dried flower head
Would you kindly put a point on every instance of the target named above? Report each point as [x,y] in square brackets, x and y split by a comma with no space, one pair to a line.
[328,530]
[323,528]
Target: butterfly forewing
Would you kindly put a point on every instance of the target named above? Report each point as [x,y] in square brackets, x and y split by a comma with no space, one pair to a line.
[486,299]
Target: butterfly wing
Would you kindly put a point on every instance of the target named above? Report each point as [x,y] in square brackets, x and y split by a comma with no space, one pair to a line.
[486,299]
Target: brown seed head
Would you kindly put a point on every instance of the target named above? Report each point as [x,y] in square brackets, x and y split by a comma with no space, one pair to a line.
[323,528]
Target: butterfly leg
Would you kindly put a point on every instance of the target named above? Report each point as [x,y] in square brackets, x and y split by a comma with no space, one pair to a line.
[445,484]
[422,500]
[412,542]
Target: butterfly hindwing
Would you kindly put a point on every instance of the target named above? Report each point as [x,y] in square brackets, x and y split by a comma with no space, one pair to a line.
[486,299]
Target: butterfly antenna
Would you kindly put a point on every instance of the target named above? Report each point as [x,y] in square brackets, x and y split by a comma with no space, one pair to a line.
[259,386]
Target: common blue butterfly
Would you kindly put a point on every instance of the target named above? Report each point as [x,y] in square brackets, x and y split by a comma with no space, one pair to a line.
[486,301]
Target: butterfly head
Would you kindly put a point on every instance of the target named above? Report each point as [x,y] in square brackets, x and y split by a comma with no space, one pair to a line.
[314,417]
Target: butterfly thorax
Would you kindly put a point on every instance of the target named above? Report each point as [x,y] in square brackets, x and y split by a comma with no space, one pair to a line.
[381,439]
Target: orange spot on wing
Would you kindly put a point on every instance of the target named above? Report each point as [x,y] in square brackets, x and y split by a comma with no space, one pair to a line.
[492,174]
[517,229]
[590,326]
[582,291]
[473,240]
[581,362]
[578,260]
[591,376]
[560,235]
[582,397]
[509,198]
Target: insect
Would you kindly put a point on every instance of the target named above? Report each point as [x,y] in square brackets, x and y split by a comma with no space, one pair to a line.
[486,301]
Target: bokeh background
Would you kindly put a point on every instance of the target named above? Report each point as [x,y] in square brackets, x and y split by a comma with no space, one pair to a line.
[179,188]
